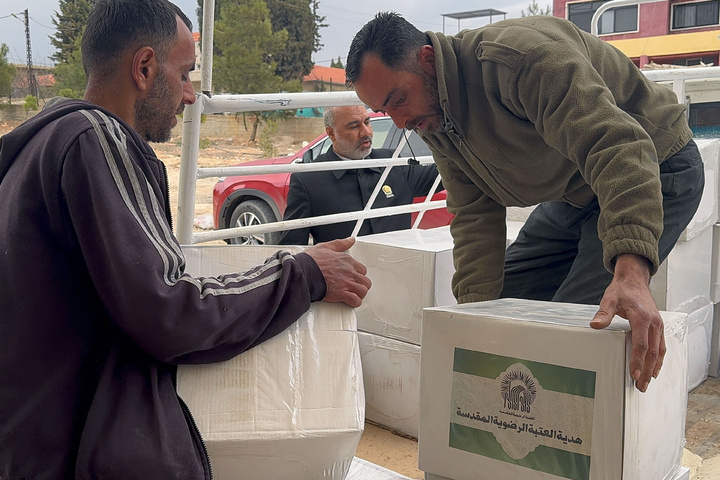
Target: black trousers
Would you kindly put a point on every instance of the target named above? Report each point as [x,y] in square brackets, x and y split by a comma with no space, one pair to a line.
[558,255]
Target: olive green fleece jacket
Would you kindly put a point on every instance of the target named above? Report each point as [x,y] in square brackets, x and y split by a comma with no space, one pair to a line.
[538,110]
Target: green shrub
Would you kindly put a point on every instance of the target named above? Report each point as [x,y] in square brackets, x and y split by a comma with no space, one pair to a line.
[266,142]
[31,103]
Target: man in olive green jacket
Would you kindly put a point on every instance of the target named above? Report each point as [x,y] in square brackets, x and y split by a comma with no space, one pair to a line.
[535,111]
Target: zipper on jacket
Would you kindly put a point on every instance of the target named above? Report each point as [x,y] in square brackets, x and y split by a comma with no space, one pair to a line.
[167,196]
[190,417]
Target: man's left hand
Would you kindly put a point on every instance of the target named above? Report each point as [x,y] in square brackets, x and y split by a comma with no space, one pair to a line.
[628,295]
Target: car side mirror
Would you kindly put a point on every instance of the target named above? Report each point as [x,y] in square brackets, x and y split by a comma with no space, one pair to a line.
[307,156]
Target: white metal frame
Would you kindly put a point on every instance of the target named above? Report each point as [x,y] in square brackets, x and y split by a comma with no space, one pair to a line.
[190,172]
[207,103]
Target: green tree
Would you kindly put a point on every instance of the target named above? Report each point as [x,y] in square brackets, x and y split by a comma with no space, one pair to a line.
[70,23]
[338,64]
[245,46]
[534,9]
[70,78]
[7,73]
[299,18]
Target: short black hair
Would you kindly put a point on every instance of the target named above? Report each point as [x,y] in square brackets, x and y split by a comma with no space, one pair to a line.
[395,40]
[113,26]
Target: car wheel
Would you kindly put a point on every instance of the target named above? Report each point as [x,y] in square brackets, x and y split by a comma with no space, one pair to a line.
[254,212]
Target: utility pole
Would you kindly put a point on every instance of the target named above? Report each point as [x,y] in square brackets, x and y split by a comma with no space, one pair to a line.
[32,81]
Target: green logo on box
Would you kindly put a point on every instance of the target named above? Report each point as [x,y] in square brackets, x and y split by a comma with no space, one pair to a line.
[530,414]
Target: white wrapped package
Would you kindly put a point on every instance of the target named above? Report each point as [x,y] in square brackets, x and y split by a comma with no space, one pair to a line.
[410,269]
[683,281]
[512,229]
[715,266]
[364,470]
[290,408]
[526,389]
[714,367]
[700,328]
[707,213]
[391,375]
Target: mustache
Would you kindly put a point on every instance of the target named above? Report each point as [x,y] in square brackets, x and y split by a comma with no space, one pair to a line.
[411,124]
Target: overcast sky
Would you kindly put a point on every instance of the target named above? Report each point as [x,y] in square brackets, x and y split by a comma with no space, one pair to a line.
[344,19]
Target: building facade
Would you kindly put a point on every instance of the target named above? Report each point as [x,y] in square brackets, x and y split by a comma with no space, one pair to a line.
[666,32]
[663,34]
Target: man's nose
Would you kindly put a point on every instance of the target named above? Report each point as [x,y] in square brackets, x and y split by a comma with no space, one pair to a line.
[189,96]
[366,130]
[399,120]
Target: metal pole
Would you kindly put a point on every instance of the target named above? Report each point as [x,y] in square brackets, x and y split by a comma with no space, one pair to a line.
[208,34]
[188,170]
[32,81]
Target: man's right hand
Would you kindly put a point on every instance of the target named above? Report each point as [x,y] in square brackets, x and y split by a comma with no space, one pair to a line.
[345,277]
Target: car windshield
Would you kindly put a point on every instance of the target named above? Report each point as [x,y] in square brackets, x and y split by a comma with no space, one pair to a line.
[381,128]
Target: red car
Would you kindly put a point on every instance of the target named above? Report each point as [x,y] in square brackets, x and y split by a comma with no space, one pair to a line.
[255,199]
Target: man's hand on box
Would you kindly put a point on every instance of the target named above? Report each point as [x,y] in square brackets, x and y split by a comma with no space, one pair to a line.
[628,295]
[345,277]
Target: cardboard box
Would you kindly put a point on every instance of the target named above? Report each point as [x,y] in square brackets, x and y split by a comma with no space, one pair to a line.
[714,367]
[512,230]
[364,470]
[715,265]
[707,213]
[682,283]
[410,269]
[391,375]
[700,331]
[292,407]
[518,389]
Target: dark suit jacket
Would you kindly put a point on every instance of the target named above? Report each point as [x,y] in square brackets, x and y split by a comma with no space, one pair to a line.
[312,194]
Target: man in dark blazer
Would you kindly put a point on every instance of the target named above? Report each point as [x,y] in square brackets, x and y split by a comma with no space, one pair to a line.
[313,194]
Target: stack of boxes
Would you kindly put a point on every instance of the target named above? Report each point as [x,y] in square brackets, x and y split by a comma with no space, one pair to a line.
[410,270]
[684,281]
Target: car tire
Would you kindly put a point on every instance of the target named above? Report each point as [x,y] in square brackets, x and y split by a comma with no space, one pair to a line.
[253,212]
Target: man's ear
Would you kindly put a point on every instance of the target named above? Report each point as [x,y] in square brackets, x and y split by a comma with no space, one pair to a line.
[330,133]
[427,59]
[144,68]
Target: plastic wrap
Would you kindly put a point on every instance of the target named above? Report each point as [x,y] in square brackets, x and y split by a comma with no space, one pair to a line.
[364,470]
[524,389]
[290,408]
[683,280]
[653,438]
[714,367]
[410,269]
[700,328]
[391,375]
